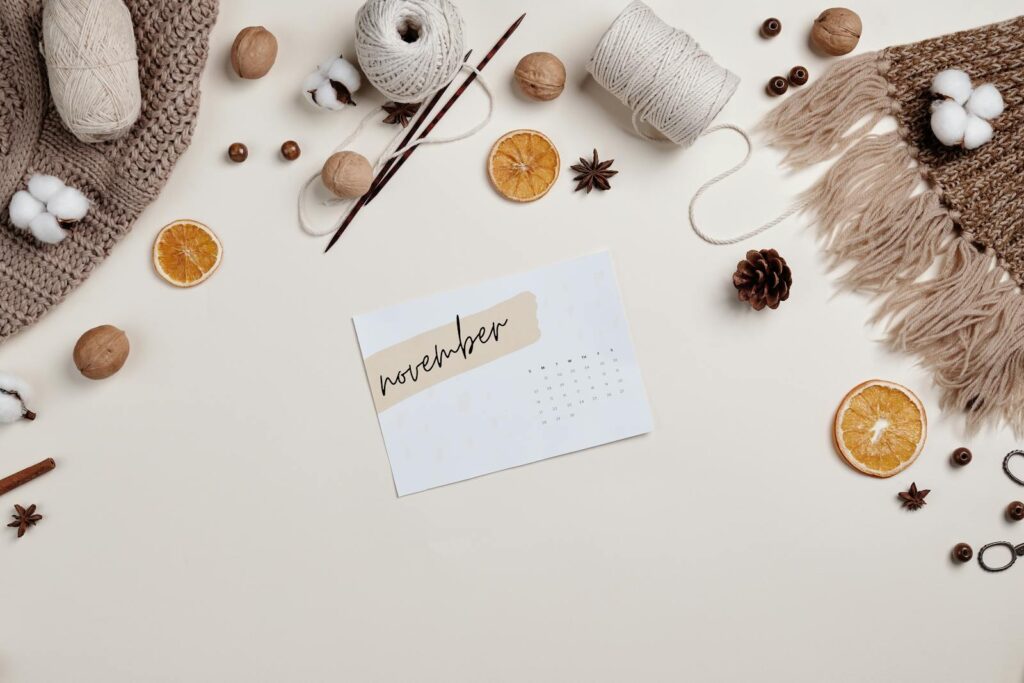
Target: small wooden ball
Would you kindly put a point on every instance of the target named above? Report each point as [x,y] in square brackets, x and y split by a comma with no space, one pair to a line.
[253,52]
[777,86]
[771,27]
[798,76]
[836,31]
[238,152]
[101,352]
[541,76]
[290,150]
[347,175]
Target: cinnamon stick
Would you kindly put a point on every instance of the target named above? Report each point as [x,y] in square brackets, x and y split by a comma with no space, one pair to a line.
[26,475]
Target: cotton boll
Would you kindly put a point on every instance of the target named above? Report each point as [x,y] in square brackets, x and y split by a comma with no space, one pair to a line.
[332,84]
[985,102]
[952,83]
[11,409]
[68,205]
[14,393]
[977,132]
[44,187]
[23,208]
[949,120]
[45,228]
[345,73]
[15,385]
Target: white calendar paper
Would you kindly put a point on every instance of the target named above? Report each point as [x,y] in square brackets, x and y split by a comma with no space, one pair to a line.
[503,373]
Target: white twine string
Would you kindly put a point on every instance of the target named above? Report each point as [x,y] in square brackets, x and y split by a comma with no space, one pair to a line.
[795,208]
[672,85]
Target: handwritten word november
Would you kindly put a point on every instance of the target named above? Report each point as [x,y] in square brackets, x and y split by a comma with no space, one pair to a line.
[465,347]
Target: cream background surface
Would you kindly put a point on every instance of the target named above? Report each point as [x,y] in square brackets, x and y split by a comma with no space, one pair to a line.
[223,510]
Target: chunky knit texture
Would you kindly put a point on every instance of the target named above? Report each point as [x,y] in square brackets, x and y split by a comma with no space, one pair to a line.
[982,188]
[120,177]
[947,262]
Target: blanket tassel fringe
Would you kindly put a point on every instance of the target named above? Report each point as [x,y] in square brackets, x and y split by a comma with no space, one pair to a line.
[965,320]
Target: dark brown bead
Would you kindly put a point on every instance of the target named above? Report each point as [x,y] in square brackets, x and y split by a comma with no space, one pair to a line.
[777,85]
[1015,511]
[798,75]
[290,150]
[962,552]
[771,27]
[238,152]
[962,456]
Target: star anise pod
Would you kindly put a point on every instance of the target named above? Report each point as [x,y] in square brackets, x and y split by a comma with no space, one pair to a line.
[593,174]
[913,498]
[400,112]
[24,518]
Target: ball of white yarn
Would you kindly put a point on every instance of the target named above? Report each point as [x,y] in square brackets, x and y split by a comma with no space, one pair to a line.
[661,74]
[92,66]
[409,49]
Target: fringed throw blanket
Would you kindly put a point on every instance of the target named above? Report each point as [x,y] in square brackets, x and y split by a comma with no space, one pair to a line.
[965,319]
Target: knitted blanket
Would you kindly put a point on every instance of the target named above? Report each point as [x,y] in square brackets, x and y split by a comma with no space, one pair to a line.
[947,261]
[119,177]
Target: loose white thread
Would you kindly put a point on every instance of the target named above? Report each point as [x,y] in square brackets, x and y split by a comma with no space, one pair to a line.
[672,85]
[89,46]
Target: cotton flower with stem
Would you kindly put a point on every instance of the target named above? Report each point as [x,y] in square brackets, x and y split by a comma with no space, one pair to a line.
[14,394]
[332,84]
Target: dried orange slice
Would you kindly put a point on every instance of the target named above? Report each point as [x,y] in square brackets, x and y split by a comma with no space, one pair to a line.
[186,253]
[523,165]
[880,428]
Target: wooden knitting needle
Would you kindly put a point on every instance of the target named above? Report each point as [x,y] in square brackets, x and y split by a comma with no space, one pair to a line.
[391,162]
[412,131]
[383,179]
[444,110]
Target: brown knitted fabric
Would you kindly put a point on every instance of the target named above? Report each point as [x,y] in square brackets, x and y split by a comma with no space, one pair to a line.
[946,261]
[119,177]
[984,187]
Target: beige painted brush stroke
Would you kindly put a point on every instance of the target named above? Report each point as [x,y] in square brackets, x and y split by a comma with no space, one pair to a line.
[521,330]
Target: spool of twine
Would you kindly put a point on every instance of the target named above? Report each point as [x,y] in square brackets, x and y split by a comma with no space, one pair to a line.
[672,85]
[92,66]
[409,49]
[661,74]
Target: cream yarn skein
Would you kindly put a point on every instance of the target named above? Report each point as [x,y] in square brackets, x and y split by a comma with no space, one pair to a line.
[409,49]
[89,46]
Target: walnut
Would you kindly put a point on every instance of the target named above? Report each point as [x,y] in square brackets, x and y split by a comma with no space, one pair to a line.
[541,76]
[347,174]
[101,352]
[253,52]
[836,31]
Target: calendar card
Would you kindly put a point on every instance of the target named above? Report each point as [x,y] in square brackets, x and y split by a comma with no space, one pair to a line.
[503,373]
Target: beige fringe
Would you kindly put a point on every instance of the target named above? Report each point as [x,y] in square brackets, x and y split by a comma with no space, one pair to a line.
[966,323]
[815,124]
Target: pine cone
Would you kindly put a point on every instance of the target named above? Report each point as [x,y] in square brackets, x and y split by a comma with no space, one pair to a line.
[763,279]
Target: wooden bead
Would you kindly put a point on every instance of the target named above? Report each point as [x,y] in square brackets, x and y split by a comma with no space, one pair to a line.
[771,28]
[798,76]
[238,152]
[777,86]
[962,552]
[290,150]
